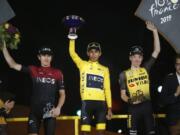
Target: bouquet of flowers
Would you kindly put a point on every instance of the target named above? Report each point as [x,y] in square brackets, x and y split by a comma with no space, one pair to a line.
[10,35]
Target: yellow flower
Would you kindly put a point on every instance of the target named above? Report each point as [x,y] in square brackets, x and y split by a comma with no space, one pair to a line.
[6,25]
[16,36]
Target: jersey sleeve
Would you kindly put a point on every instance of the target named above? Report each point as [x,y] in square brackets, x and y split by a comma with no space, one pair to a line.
[147,65]
[25,69]
[122,81]
[107,88]
[28,69]
[77,60]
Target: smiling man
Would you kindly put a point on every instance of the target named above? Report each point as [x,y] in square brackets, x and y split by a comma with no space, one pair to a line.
[135,86]
[94,87]
[47,84]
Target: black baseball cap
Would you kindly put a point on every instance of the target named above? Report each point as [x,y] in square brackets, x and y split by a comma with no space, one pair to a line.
[45,50]
[136,50]
[94,45]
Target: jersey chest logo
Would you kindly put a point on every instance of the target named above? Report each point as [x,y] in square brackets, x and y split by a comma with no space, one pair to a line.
[94,81]
[45,80]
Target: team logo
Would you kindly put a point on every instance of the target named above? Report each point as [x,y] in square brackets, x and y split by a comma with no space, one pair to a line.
[131,85]
[95,81]
[45,80]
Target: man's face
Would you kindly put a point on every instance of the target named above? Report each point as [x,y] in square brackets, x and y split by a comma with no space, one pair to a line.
[177,65]
[94,55]
[136,60]
[45,60]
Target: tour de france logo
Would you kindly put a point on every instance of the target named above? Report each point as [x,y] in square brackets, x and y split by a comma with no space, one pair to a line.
[164,9]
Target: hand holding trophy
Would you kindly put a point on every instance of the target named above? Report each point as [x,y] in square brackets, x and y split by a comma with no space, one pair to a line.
[73,22]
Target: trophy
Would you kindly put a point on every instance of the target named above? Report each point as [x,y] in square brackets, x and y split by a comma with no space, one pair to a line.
[47,111]
[73,22]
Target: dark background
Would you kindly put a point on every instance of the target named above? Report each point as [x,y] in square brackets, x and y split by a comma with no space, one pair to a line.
[113,24]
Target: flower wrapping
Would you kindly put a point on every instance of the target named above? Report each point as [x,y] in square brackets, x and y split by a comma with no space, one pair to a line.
[10,34]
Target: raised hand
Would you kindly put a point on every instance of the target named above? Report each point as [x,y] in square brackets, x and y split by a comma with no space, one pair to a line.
[150,26]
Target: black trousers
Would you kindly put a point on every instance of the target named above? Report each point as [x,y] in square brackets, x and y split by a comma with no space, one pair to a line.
[141,113]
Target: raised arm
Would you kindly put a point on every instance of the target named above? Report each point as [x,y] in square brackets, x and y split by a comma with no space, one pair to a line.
[11,62]
[77,60]
[157,48]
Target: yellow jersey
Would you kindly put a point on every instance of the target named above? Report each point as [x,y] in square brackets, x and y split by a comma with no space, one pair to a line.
[94,78]
[138,84]
[2,119]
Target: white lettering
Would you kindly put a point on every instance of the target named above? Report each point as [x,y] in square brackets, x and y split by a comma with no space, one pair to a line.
[160,7]
[46,80]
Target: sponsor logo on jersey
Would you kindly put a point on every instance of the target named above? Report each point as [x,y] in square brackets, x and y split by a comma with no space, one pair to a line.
[45,80]
[131,85]
[95,81]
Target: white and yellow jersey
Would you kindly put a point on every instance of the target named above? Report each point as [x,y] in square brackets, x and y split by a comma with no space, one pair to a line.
[137,82]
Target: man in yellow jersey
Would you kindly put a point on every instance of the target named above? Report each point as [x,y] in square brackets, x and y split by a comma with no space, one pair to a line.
[134,86]
[94,87]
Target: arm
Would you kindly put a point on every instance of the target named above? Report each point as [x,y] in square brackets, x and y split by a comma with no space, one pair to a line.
[77,60]
[57,111]
[122,83]
[11,62]
[124,96]
[61,100]
[108,94]
[107,89]
[157,48]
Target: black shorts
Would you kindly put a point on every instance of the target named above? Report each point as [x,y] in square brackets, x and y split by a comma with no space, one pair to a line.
[141,113]
[92,108]
[34,124]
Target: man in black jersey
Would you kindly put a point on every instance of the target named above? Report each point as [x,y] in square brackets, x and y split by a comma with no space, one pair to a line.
[134,86]
[47,83]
